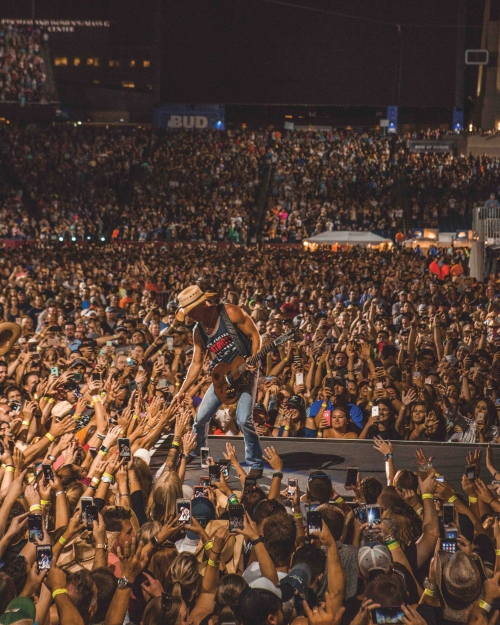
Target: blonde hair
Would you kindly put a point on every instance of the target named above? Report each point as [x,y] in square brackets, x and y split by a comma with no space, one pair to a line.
[161,563]
[147,531]
[164,495]
[185,577]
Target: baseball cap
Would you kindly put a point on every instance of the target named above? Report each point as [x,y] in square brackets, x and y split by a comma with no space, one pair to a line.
[258,407]
[422,308]
[297,580]
[374,556]
[110,309]
[296,401]
[201,507]
[78,361]
[19,610]
[143,454]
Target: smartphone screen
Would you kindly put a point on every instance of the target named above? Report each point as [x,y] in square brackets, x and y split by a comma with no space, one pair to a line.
[449,545]
[373,514]
[470,472]
[92,515]
[361,514]
[205,481]
[54,371]
[214,474]
[351,477]
[170,343]
[43,557]
[205,452]
[224,467]
[86,502]
[448,514]
[292,488]
[314,521]
[236,517]
[299,378]
[96,376]
[375,412]
[383,616]
[451,534]
[327,416]
[198,491]
[184,510]
[35,529]
[329,383]
[47,472]
[124,448]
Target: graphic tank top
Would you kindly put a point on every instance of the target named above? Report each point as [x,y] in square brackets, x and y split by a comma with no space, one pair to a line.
[220,343]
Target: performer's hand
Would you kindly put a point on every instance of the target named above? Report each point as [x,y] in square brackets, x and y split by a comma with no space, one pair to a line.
[252,368]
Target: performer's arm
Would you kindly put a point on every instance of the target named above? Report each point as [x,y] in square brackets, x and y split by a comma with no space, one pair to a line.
[245,324]
[196,364]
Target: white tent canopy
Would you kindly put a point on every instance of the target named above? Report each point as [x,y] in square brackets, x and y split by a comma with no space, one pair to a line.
[347,237]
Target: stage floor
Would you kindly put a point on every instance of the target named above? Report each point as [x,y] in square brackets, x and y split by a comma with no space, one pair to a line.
[302,455]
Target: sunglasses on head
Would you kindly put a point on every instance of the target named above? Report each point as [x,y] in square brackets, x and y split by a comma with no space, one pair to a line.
[321,476]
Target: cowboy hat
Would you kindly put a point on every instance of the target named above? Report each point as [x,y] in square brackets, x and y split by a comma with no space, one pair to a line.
[459,584]
[191,297]
[9,333]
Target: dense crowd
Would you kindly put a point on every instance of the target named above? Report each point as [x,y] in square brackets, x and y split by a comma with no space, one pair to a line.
[150,185]
[22,71]
[92,360]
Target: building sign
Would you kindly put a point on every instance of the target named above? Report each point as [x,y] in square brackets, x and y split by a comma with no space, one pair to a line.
[191,117]
[58,26]
[430,145]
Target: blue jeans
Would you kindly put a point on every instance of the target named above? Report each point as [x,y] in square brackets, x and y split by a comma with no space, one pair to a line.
[244,418]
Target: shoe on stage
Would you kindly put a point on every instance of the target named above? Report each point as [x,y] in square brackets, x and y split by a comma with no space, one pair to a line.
[256,473]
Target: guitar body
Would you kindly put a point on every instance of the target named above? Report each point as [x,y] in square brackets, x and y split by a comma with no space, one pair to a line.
[227,394]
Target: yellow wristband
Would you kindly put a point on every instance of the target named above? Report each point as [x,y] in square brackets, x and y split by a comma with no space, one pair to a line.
[497,552]
[59,591]
[212,563]
[103,453]
[51,401]
[50,437]
[452,499]
[429,593]
[338,500]
[10,469]
[45,502]
[393,546]
[63,541]
[209,545]
[285,359]
[298,515]
[95,480]
[135,416]
[25,423]
[96,398]
[472,499]
[108,475]
[427,496]
[36,507]
[484,606]
[287,428]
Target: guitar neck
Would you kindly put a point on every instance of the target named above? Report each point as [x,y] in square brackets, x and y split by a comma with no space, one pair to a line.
[254,359]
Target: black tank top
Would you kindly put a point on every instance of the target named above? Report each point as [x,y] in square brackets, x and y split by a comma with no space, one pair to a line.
[220,344]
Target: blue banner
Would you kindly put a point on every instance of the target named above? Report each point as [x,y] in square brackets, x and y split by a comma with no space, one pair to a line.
[191,116]
[392,116]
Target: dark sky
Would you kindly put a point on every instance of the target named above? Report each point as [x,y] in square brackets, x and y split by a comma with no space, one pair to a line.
[251,51]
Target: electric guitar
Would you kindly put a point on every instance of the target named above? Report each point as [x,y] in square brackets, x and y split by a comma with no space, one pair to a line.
[227,378]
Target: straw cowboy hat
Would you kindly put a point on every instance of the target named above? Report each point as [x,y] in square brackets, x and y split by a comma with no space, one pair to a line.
[9,333]
[191,297]
[459,583]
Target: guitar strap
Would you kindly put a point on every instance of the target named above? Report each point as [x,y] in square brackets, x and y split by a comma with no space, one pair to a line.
[232,331]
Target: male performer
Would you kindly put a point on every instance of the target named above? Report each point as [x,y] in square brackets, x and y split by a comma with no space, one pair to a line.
[215,332]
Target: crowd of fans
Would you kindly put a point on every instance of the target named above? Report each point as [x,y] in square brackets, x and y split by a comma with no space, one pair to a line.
[22,71]
[92,358]
[149,185]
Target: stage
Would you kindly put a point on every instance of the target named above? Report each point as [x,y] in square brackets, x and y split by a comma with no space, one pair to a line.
[302,455]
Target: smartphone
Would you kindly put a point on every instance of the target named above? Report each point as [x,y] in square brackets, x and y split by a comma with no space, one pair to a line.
[451,534]
[86,502]
[184,511]
[54,371]
[198,491]
[448,514]
[250,482]
[214,474]
[375,413]
[32,348]
[47,472]
[314,522]
[124,448]
[93,451]
[109,343]
[96,376]
[329,383]
[351,478]
[299,378]
[130,362]
[170,343]
[417,374]
[292,488]
[440,479]
[470,472]
[92,514]
[224,467]
[205,452]
[379,385]
[236,515]
[373,514]
[162,383]
[327,416]
[43,557]
[132,386]
[205,481]
[35,529]
[393,615]
[480,418]
[449,545]
[360,513]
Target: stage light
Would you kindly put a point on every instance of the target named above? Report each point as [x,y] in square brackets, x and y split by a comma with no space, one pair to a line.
[88,238]
[61,238]
[103,238]
[219,125]
[73,238]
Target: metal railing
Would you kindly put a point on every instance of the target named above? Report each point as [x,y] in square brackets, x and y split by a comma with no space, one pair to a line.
[486,222]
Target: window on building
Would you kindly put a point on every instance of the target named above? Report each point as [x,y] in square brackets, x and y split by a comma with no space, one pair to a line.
[128,85]
[60,60]
[132,63]
[76,61]
[113,63]
[146,63]
[93,61]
